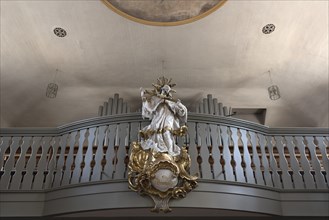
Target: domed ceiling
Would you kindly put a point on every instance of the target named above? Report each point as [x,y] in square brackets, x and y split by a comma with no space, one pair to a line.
[226,53]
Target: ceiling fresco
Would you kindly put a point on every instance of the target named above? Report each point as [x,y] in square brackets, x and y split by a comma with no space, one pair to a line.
[164,12]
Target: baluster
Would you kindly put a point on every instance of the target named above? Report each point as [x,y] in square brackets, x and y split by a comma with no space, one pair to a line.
[78,159]
[319,178]
[3,148]
[307,176]
[255,159]
[97,170]
[10,164]
[116,146]
[227,154]
[192,149]
[133,135]
[41,168]
[325,160]
[60,162]
[286,178]
[209,160]
[275,175]
[215,140]
[267,175]
[246,158]
[86,172]
[17,177]
[127,151]
[52,162]
[69,160]
[134,129]
[237,156]
[297,177]
[110,153]
[28,177]
[204,152]
[121,151]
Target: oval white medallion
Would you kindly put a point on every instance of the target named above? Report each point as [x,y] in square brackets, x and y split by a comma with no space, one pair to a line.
[164,179]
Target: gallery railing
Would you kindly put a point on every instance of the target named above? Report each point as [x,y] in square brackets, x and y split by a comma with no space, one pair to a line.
[221,148]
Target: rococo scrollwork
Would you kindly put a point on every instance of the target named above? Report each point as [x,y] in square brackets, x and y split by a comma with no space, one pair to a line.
[157,166]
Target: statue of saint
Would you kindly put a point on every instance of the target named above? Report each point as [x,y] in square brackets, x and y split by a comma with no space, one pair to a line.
[165,114]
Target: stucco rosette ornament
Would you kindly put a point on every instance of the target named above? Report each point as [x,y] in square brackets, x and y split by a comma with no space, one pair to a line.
[157,166]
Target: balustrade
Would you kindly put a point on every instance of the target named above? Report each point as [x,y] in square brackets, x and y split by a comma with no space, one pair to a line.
[223,149]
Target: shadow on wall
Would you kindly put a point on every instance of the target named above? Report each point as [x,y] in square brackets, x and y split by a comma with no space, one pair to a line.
[298,113]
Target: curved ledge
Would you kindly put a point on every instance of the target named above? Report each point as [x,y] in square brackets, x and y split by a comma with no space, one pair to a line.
[135,117]
[114,195]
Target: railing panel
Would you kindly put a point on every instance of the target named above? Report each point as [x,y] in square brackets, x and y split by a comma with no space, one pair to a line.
[192,148]
[52,163]
[20,164]
[134,130]
[319,178]
[59,167]
[41,167]
[294,164]
[305,164]
[126,150]
[78,158]
[265,162]
[240,177]
[86,171]
[255,159]
[325,161]
[227,154]
[4,146]
[121,150]
[99,154]
[10,164]
[217,168]
[219,151]
[249,173]
[110,153]
[69,160]
[31,164]
[273,163]
[204,150]
[286,178]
